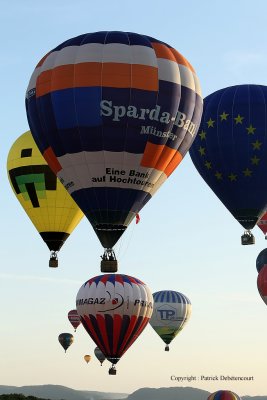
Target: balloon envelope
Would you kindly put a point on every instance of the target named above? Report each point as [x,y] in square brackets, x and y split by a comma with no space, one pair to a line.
[65,339]
[170,314]
[262,223]
[45,200]
[114,309]
[261,260]
[74,318]
[99,355]
[262,283]
[231,147]
[87,358]
[224,395]
[113,113]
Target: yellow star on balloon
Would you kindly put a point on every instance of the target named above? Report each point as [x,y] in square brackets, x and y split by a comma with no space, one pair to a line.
[224,116]
[256,145]
[202,151]
[210,123]
[208,164]
[251,129]
[247,172]
[232,177]
[239,119]
[218,175]
[202,135]
[255,160]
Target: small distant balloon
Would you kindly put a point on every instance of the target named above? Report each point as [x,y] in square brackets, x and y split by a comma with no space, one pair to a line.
[87,358]
[224,395]
[65,339]
[74,319]
[99,355]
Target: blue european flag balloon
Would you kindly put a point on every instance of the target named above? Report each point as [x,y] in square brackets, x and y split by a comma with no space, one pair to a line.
[230,150]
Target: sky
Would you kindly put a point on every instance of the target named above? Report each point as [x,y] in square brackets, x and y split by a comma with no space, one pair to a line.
[186,240]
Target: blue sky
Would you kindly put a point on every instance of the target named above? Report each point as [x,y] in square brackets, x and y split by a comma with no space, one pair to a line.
[186,240]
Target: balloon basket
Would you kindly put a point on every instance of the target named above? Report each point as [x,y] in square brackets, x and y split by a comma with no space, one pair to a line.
[247,238]
[109,266]
[53,262]
[109,262]
[112,371]
[167,348]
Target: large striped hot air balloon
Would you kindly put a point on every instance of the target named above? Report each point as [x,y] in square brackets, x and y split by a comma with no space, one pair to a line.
[230,151]
[223,395]
[113,113]
[114,309]
[44,199]
[170,314]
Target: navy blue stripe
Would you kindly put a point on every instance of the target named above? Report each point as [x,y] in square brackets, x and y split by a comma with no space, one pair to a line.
[170,296]
[105,37]
[95,199]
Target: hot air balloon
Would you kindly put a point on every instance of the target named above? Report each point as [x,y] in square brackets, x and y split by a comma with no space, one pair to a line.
[224,395]
[170,314]
[74,319]
[45,200]
[230,151]
[262,224]
[99,355]
[87,358]
[65,339]
[262,283]
[261,260]
[113,113]
[114,310]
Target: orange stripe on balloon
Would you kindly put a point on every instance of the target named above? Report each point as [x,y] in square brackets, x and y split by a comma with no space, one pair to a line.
[51,160]
[171,54]
[163,51]
[160,157]
[151,155]
[177,158]
[90,74]
[182,60]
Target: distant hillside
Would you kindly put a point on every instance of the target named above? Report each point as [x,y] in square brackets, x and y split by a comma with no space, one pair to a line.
[172,393]
[16,396]
[57,392]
